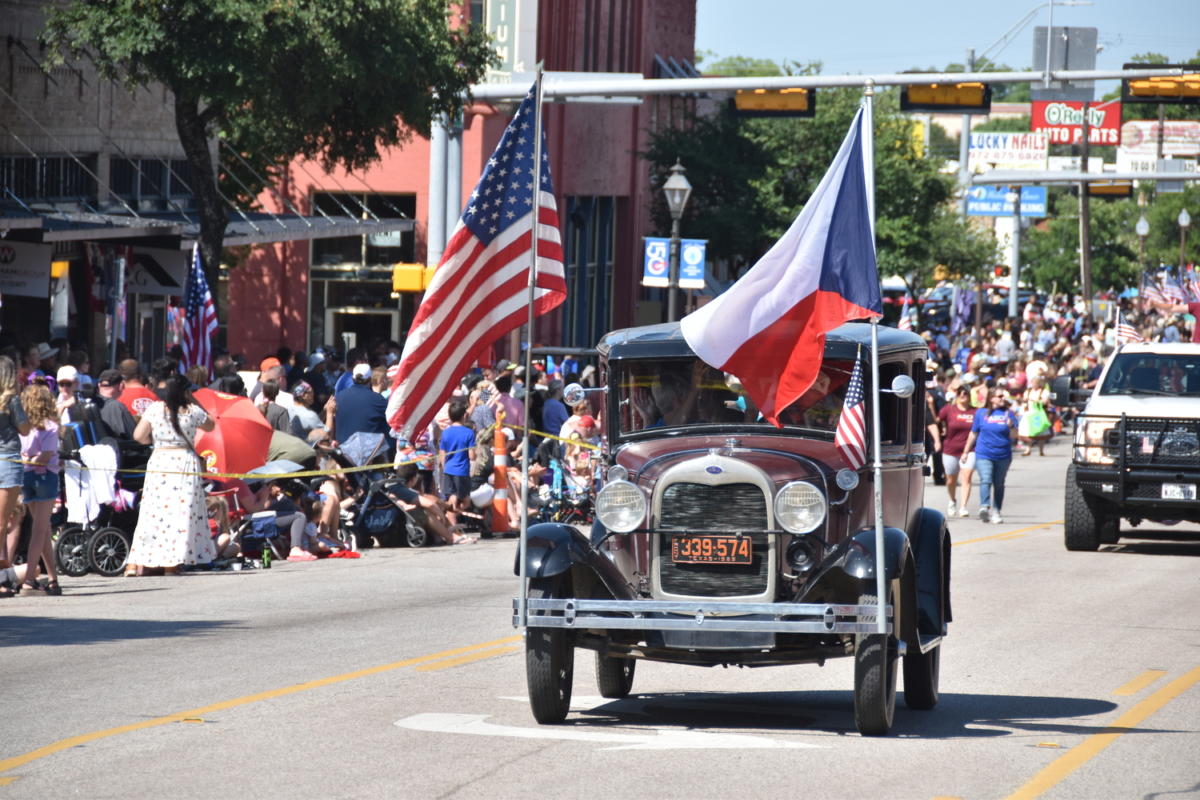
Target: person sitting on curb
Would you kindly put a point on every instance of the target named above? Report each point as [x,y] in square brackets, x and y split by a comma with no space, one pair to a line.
[427,510]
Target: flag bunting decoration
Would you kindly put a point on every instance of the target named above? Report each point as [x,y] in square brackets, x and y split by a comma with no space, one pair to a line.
[769,328]
[850,439]
[1125,331]
[480,290]
[200,317]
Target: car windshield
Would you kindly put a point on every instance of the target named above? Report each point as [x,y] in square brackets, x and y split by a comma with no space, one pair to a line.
[1153,373]
[681,392]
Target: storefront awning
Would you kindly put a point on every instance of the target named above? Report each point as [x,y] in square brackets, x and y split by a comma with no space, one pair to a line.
[175,231]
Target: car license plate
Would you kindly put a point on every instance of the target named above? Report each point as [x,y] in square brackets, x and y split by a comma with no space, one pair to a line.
[1179,491]
[711,550]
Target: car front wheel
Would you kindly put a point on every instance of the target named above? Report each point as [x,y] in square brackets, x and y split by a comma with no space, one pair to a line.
[921,672]
[874,679]
[1082,522]
[549,658]
[614,676]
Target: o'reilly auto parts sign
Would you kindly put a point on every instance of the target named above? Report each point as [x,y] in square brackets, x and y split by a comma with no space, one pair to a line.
[1062,122]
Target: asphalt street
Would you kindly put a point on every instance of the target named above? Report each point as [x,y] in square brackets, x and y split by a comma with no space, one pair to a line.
[1065,675]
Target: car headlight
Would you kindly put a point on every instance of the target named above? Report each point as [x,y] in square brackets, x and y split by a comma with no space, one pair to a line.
[1090,441]
[620,506]
[799,507]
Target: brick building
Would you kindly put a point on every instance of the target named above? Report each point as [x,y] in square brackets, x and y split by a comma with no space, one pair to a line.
[303,294]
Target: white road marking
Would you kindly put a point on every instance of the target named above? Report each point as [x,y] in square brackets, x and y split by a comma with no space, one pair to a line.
[659,739]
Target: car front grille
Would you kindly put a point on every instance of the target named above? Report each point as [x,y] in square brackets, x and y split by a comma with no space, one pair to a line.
[1162,442]
[730,507]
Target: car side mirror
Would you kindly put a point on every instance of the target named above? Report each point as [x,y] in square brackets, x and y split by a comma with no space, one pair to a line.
[1060,388]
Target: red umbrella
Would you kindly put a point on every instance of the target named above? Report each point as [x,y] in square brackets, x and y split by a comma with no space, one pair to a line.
[239,442]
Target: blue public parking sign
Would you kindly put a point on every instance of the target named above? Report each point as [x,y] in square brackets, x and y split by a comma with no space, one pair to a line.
[993,201]
[691,263]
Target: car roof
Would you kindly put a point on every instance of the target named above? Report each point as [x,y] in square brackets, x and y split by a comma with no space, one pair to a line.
[1162,348]
[666,341]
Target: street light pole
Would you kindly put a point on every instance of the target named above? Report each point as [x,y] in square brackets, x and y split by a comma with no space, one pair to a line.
[677,191]
[1143,230]
[1184,220]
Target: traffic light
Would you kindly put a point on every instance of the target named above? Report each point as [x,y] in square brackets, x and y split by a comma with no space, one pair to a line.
[1110,189]
[1180,90]
[965,98]
[774,102]
[1000,271]
[411,277]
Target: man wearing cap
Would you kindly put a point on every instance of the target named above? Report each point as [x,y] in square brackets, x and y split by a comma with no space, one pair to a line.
[305,423]
[269,369]
[113,413]
[359,408]
[68,384]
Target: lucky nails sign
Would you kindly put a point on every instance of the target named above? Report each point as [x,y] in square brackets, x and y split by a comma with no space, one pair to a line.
[1062,122]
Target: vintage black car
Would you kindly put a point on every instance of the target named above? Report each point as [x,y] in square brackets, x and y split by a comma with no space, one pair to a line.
[723,540]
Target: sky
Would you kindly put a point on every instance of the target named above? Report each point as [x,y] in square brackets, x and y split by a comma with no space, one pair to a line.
[881,36]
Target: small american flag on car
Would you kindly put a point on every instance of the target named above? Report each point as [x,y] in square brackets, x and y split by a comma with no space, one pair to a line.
[851,435]
[1125,331]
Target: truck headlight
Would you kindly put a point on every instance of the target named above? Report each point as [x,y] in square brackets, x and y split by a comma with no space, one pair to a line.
[620,506]
[1090,441]
[799,507]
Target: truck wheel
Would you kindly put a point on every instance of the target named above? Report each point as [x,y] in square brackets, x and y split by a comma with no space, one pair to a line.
[921,671]
[1110,530]
[614,676]
[874,679]
[549,658]
[1081,529]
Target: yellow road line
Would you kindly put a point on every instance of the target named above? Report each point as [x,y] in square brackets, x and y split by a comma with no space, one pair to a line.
[1076,757]
[467,659]
[75,741]
[1140,682]
[1003,534]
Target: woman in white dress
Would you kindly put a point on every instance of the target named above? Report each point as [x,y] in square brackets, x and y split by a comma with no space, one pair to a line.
[172,527]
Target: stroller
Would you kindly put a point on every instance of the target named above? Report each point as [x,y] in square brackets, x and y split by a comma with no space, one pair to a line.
[377,514]
[257,532]
[97,537]
[565,498]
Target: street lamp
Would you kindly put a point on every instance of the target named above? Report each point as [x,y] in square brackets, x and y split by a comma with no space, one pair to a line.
[1184,220]
[1143,230]
[677,191]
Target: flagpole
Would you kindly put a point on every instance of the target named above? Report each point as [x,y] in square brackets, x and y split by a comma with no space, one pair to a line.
[522,606]
[867,140]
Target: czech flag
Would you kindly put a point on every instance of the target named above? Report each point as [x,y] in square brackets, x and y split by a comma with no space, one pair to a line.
[769,328]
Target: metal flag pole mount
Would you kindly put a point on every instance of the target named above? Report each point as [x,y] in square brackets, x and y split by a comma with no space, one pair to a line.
[868,151]
[522,606]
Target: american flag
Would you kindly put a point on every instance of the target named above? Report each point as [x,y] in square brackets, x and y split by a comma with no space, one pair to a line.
[480,289]
[1125,331]
[200,317]
[851,436]
[906,323]
[1173,291]
[1150,290]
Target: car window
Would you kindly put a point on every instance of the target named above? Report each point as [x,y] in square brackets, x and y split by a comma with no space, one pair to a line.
[1153,373]
[893,410]
[680,392]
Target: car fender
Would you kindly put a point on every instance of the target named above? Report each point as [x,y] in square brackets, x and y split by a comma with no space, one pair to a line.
[930,542]
[858,559]
[552,548]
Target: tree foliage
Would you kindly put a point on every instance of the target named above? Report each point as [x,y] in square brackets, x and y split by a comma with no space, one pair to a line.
[333,80]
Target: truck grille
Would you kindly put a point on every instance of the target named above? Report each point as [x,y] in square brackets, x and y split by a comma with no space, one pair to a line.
[731,507]
[1162,442]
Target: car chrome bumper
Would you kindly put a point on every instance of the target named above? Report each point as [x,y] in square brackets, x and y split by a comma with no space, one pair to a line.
[659,615]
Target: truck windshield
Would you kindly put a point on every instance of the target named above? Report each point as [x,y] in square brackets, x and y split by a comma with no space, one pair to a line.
[1154,374]
[681,392]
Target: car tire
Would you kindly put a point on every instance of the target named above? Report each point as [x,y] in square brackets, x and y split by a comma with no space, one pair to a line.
[874,679]
[71,551]
[614,675]
[1082,523]
[549,658]
[921,673]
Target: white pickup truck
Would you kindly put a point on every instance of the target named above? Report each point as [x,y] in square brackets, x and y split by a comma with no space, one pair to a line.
[1137,444]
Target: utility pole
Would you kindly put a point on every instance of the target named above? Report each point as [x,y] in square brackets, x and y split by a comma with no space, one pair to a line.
[1085,219]
[964,144]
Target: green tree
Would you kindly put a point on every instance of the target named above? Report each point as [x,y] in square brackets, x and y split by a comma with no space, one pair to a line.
[335,80]
[1050,250]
